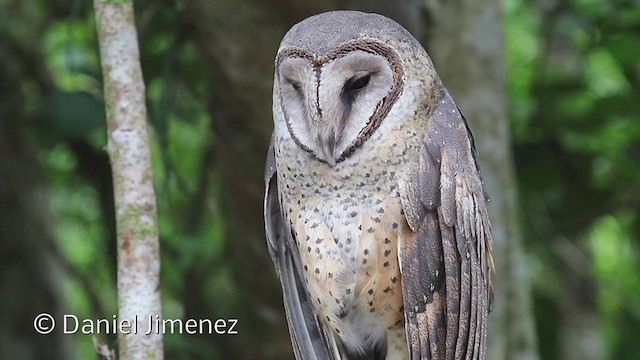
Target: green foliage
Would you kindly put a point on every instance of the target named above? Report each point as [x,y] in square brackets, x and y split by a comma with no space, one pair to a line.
[70,128]
[616,262]
[574,90]
[69,46]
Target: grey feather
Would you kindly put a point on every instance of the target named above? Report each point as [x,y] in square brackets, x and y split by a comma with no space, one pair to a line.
[375,211]
[446,194]
[308,339]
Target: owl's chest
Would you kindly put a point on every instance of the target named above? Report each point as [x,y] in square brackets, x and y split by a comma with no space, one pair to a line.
[347,221]
[348,253]
[342,219]
[344,205]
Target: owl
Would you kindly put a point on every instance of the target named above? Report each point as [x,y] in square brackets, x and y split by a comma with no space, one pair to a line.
[375,213]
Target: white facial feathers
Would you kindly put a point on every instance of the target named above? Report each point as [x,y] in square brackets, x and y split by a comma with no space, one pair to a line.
[329,105]
[350,90]
[298,91]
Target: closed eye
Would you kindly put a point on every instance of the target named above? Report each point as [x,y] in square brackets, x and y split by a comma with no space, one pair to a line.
[295,85]
[359,83]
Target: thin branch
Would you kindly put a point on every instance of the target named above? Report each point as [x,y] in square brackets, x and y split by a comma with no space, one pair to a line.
[128,148]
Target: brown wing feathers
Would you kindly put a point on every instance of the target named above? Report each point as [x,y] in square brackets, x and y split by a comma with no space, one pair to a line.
[445,263]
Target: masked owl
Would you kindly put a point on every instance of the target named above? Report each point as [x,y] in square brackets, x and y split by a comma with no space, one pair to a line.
[374,208]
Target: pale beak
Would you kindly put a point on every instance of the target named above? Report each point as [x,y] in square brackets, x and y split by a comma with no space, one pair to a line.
[328,146]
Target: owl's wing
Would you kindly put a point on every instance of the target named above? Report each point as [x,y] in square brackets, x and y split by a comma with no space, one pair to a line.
[309,340]
[446,261]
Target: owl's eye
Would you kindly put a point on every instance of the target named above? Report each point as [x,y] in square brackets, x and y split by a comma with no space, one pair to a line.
[359,83]
[295,85]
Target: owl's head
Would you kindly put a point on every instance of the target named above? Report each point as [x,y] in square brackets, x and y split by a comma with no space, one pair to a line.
[337,76]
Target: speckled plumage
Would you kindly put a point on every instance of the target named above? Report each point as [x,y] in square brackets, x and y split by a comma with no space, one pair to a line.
[358,212]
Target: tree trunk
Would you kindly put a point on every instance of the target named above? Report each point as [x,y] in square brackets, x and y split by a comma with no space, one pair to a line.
[129,152]
[238,40]
[465,41]
[579,324]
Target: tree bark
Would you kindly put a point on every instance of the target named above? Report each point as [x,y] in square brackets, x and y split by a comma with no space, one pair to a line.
[465,41]
[128,148]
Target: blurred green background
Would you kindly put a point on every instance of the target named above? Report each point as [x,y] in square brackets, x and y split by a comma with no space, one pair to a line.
[573,109]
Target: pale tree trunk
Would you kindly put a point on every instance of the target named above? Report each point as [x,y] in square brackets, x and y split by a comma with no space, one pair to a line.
[465,41]
[128,148]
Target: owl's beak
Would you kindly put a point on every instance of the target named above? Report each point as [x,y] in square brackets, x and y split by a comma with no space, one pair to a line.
[328,145]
